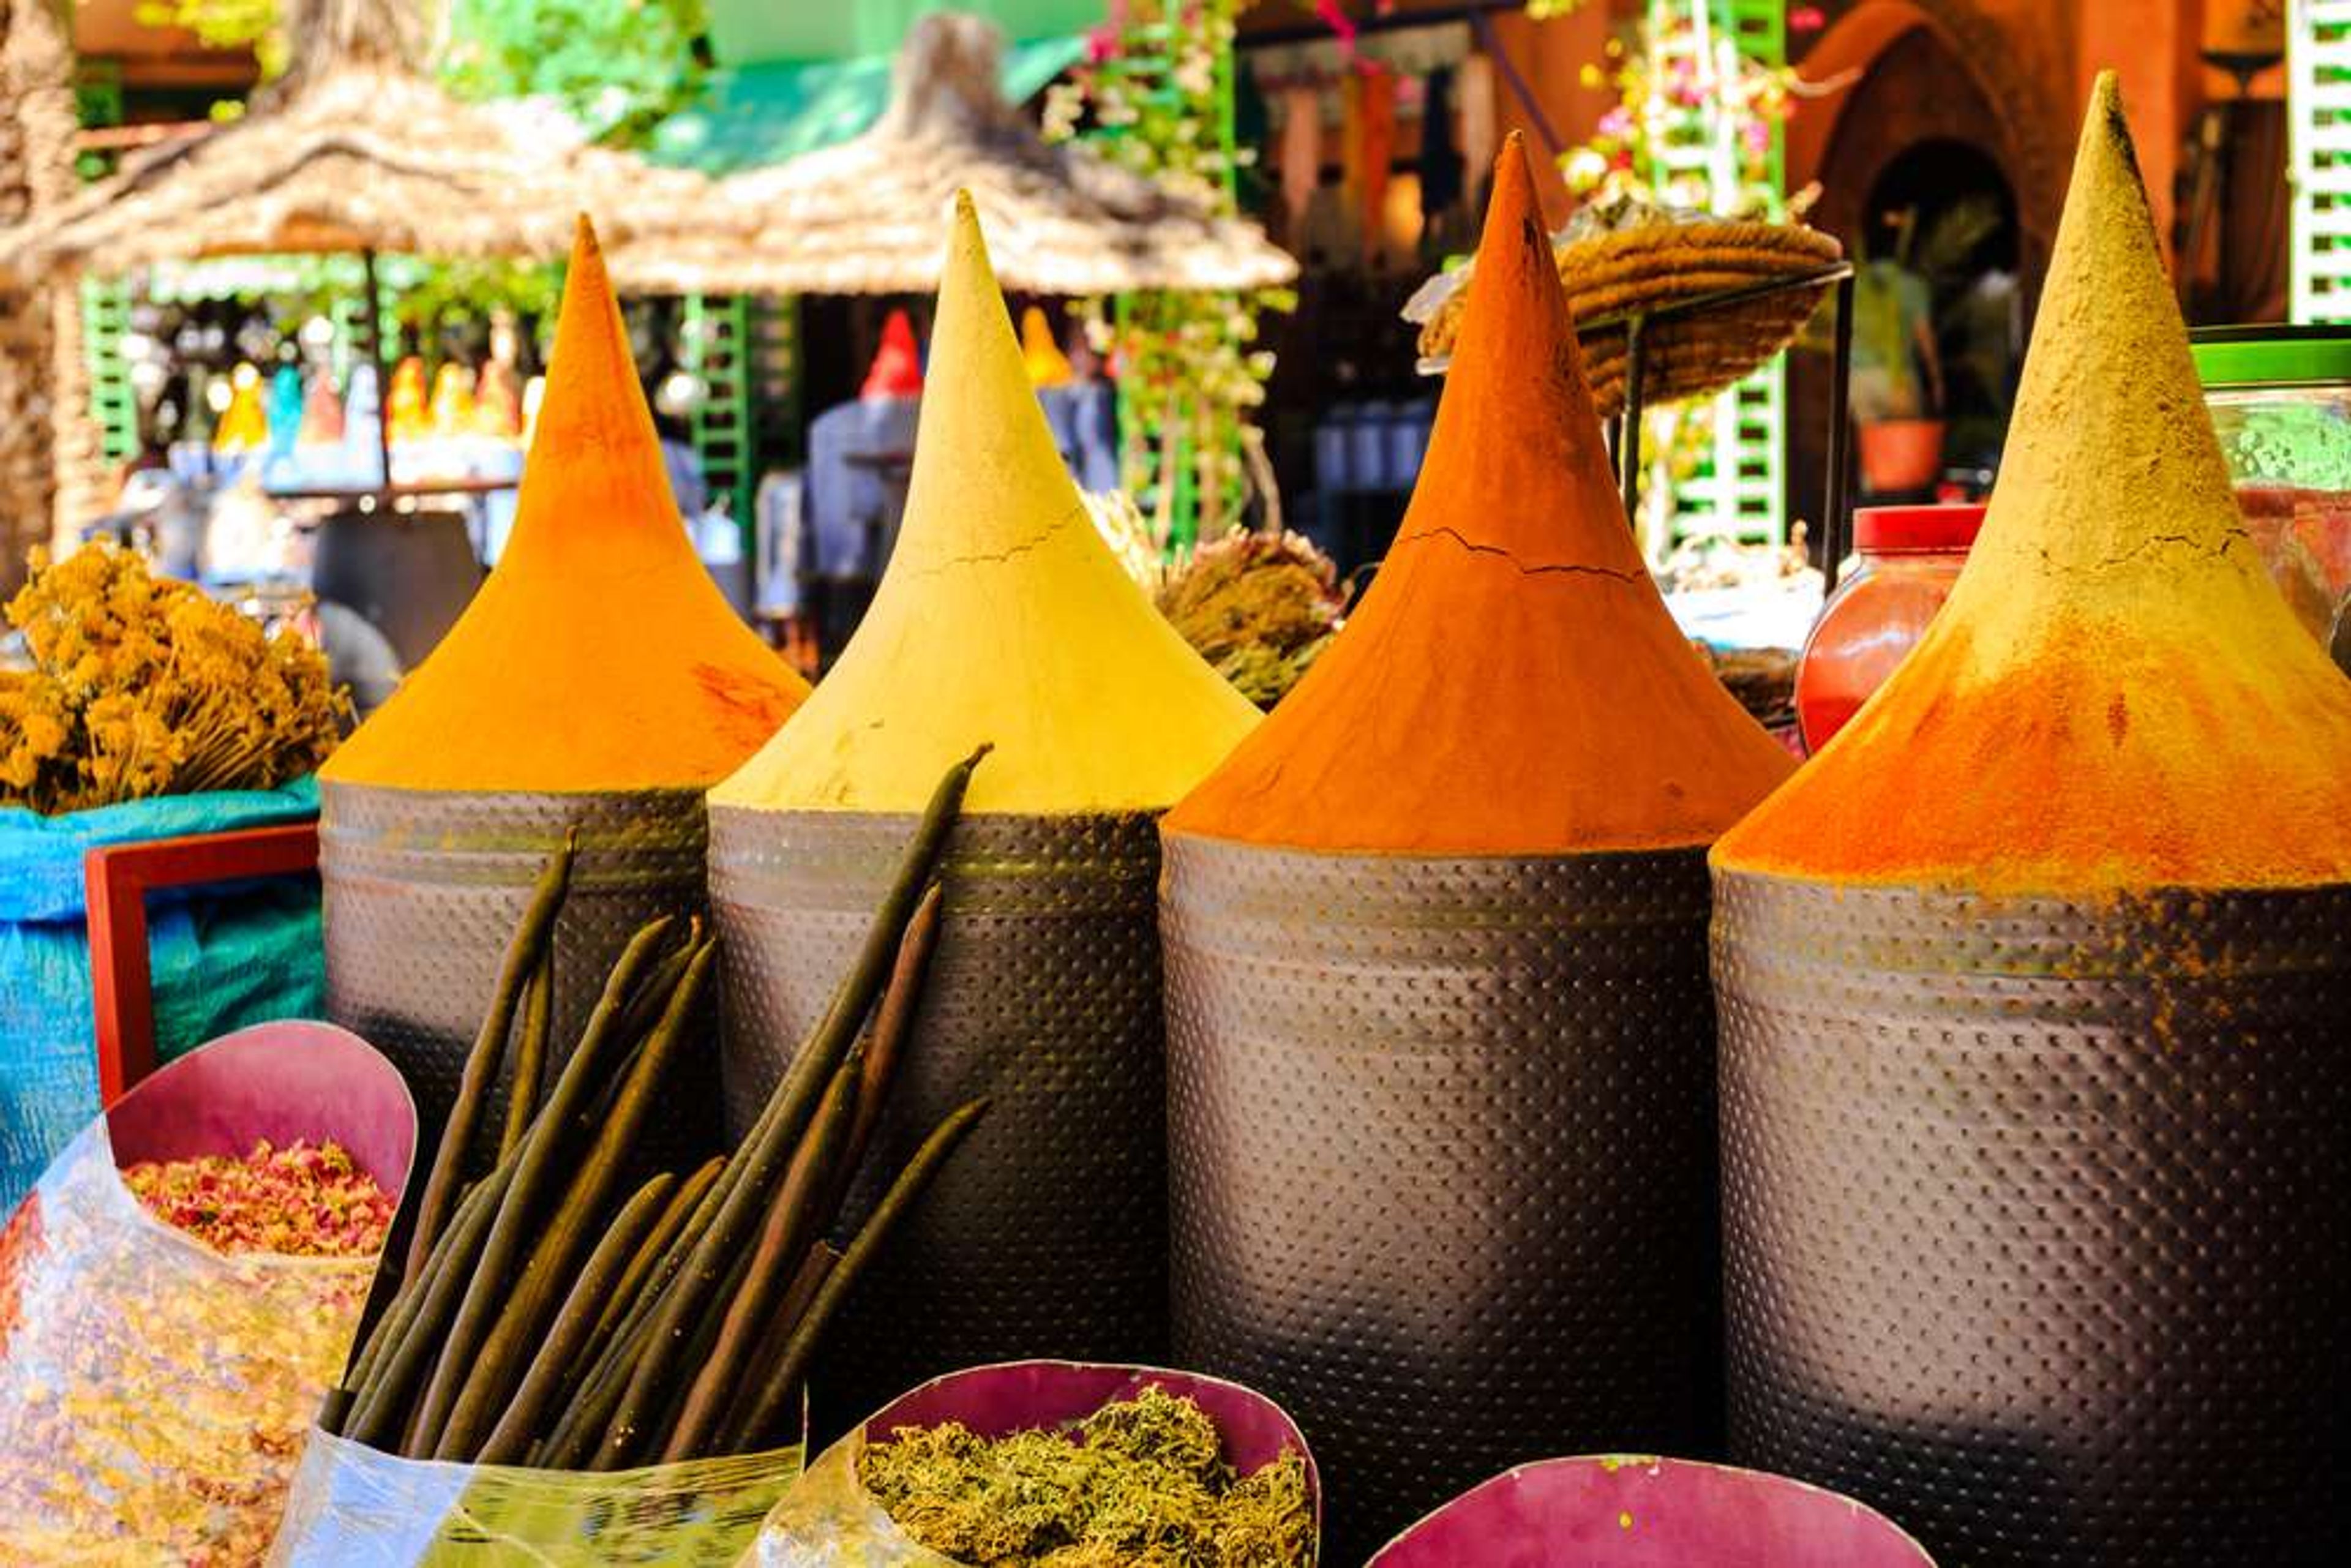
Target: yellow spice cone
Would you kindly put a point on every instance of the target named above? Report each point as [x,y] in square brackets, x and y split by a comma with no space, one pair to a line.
[2116,696]
[599,655]
[1003,617]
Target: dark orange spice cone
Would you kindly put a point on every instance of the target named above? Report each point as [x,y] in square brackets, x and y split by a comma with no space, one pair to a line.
[2035,1070]
[1441,1043]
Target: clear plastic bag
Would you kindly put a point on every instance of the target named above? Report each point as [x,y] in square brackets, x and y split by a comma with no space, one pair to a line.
[830,1521]
[153,1392]
[355,1507]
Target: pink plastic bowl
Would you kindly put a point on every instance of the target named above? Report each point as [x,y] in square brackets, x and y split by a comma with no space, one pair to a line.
[275,1080]
[1633,1511]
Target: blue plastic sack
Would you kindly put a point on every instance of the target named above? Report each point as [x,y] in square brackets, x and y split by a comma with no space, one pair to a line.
[222,957]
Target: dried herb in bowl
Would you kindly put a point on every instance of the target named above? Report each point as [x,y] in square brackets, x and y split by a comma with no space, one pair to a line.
[1140,1483]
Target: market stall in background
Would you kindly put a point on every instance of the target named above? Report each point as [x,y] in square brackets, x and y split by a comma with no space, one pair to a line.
[1525,782]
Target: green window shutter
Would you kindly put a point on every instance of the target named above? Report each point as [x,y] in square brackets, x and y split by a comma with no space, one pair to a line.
[105,318]
[1739,486]
[2318,113]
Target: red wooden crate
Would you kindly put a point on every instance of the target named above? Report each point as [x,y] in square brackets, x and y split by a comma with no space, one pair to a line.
[118,877]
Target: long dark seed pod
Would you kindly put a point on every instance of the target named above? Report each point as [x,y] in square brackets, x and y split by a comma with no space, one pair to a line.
[539,1168]
[653,1250]
[530,1053]
[759,1163]
[778,1332]
[781,1379]
[893,1024]
[622,1336]
[793,1221]
[382,1406]
[489,1047]
[644,1008]
[367,1363]
[574,1443]
[489,1379]
[705,1341]
[367,1354]
[510,1438]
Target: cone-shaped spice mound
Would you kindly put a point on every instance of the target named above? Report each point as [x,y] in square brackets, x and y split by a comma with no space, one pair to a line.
[1512,683]
[599,655]
[2116,695]
[2031,990]
[1003,617]
[1440,1045]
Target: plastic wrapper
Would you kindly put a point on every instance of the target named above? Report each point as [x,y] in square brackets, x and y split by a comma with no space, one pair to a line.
[153,1392]
[1624,1511]
[831,1520]
[355,1507]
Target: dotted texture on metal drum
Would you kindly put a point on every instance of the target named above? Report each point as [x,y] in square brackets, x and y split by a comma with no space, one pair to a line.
[1046,1236]
[1442,1158]
[2037,1214]
[423,892]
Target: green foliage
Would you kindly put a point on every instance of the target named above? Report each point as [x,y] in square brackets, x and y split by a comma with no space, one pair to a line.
[619,66]
[225,25]
[1901,300]
[1157,92]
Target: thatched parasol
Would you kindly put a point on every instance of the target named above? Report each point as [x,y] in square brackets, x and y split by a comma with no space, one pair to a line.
[356,149]
[868,217]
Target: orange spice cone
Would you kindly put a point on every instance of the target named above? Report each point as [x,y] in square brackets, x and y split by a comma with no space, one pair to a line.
[1440,1054]
[598,681]
[1512,683]
[1005,619]
[2033,986]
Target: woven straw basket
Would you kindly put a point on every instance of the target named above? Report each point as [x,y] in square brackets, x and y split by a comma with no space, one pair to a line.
[1612,276]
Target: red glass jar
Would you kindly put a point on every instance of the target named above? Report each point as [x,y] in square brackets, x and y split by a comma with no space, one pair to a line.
[1910,557]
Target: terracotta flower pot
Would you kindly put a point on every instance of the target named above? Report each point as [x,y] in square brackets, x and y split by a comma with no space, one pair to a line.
[1900,454]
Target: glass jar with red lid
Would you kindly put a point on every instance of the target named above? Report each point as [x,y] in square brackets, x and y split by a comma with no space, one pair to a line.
[1910,558]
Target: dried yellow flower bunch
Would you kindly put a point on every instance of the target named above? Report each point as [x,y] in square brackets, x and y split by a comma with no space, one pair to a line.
[143,686]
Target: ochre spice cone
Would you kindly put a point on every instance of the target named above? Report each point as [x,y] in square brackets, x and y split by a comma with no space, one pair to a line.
[599,655]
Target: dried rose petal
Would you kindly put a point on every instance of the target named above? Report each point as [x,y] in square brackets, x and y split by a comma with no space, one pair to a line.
[300,1201]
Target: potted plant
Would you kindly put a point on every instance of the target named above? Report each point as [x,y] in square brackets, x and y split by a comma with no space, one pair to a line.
[1898,374]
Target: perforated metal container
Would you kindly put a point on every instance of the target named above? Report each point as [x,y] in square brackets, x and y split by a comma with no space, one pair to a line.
[2038,1213]
[1047,1234]
[422,891]
[1442,1155]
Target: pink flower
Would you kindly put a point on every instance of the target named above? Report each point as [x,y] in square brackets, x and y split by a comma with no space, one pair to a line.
[1334,16]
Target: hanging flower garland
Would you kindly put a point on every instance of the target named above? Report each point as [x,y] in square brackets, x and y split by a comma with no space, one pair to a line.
[1151,92]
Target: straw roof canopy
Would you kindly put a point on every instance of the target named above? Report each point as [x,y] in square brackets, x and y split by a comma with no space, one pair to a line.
[868,217]
[355,148]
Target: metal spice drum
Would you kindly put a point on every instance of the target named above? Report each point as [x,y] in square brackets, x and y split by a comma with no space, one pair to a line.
[422,891]
[1047,1234]
[1442,1158]
[2037,1214]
